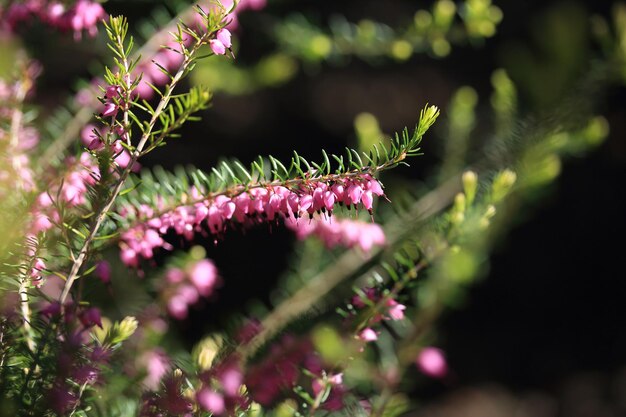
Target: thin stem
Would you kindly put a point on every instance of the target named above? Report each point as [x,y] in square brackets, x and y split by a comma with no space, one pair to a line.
[16,117]
[80,395]
[25,309]
[16,125]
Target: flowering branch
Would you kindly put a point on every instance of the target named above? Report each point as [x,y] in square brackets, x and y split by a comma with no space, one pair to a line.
[256,197]
[117,30]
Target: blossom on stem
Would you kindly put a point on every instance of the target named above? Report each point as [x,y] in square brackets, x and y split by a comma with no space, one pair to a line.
[334,232]
[72,191]
[396,310]
[371,296]
[221,43]
[254,206]
[83,15]
[368,335]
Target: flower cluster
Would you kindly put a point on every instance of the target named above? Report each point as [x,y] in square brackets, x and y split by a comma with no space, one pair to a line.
[112,101]
[221,43]
[252,206]
[339,232]
[92,139]
[185,287]
[71,192]
[169,58]
[84,15]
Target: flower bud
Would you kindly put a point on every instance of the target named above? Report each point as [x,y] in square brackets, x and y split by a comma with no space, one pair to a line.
[502,184]
[470,184]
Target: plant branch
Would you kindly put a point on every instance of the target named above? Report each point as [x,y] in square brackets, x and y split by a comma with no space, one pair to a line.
[125,173]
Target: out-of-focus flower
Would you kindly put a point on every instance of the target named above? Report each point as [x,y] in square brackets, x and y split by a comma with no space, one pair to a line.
[432,362]
[368,335]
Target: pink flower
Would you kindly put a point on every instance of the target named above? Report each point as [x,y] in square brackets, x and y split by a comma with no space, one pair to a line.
[396,310]
[89,139]
[217,47]
[188,293]
[370,293]
[156,364]
[110,109]
[52,309]
[175,275]
[432,362]
[368,335]
[354,193]
[204,276]
[123,159]
[91,317]
[177,307]
[367,199]
[223,35]
[38,267]
[211,401]
[336,379]
[129,257]
[231,380]
[103,271]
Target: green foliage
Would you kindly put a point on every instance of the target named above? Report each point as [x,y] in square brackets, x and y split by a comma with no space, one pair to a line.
[430,32]
[165,191]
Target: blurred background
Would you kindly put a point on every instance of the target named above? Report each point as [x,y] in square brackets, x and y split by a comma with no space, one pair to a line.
[544,333]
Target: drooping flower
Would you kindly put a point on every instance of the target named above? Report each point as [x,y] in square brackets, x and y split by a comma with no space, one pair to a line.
[224,36]
[396,310]
[312,199]
[432,362]
[368,335]
[211,401]
[217,47]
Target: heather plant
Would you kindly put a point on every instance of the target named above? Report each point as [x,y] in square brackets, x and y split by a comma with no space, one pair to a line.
[103,260]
